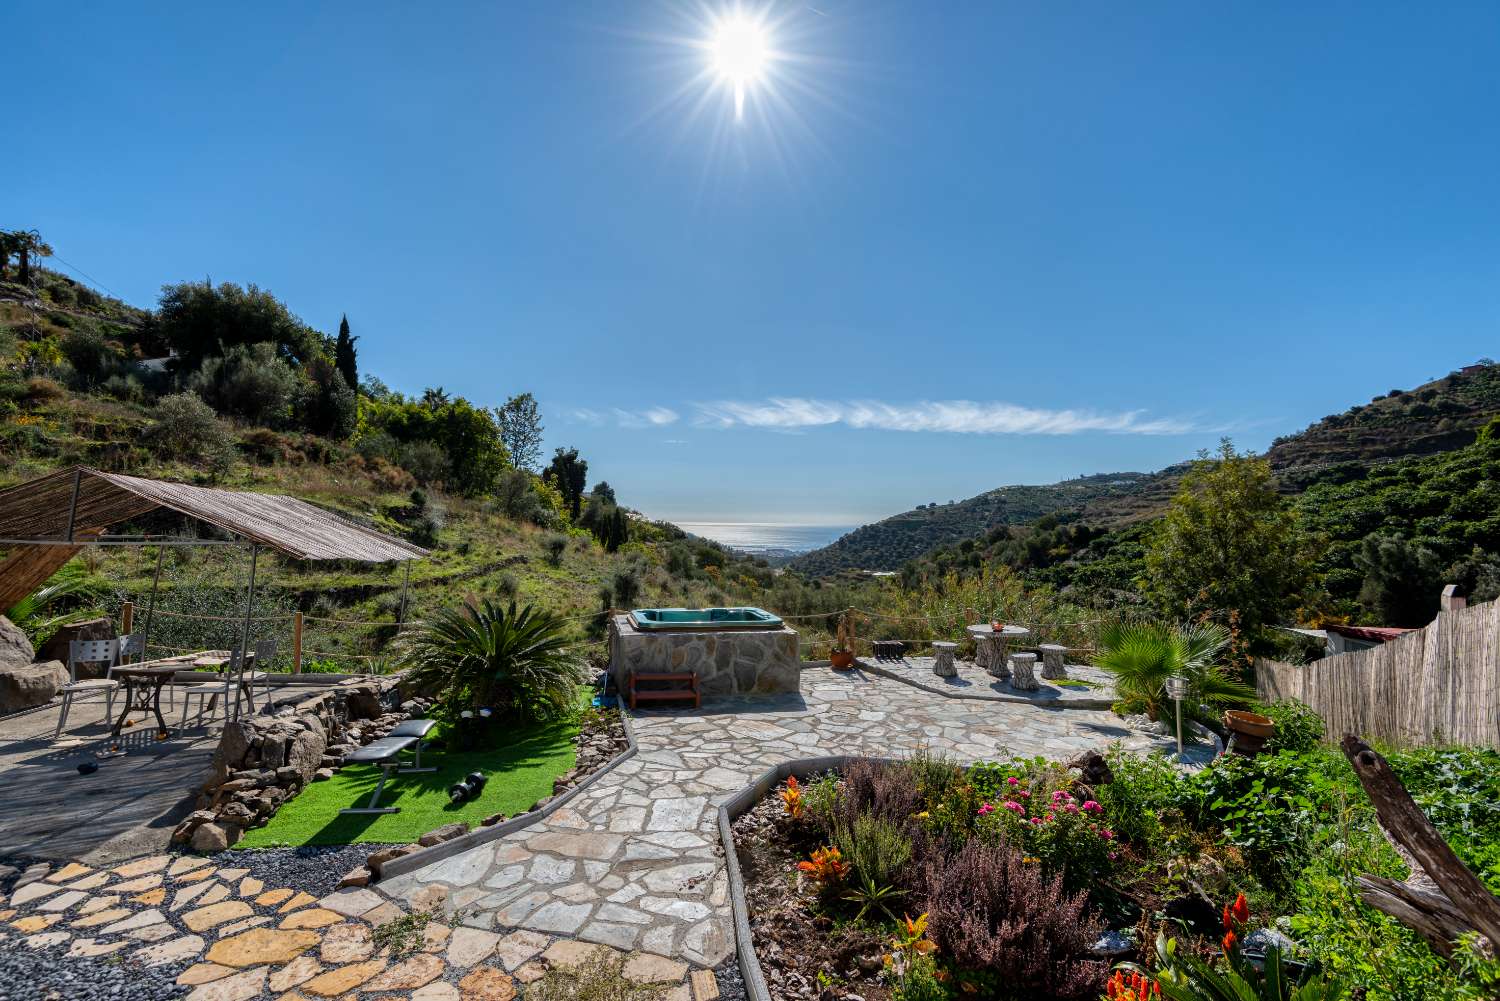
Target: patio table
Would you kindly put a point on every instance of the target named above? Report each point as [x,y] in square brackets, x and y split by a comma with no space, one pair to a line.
[993,648]
[143,684]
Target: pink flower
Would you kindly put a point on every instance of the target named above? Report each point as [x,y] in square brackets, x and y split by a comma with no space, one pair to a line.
[1113,856]
[1092,807]
[1070,807]
[1013,780]
[986,809]
[1025,793]
[1013,806]
[1049,815]
[1107,834]
[1036,820]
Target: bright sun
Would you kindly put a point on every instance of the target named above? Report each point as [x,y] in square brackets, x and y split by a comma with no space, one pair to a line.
[740,50]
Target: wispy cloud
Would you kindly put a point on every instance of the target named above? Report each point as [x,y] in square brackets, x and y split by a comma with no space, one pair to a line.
[954,416]
[652,417]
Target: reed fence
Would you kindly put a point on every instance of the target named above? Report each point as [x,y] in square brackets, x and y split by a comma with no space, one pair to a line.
[1439,684]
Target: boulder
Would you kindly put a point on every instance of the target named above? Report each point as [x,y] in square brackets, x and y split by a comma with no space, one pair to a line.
[25,685]
[305,753]
[15,648]
[56,648]
[214,837]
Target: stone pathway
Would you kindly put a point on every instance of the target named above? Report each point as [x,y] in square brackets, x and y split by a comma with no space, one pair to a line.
[634,862]
[235,939]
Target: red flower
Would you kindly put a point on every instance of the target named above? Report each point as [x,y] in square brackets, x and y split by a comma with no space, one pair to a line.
[1230,941]
[1241,910]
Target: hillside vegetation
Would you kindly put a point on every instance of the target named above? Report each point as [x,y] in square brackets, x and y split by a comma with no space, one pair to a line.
[1033,527]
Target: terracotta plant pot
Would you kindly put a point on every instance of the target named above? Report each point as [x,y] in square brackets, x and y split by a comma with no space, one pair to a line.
[1250,730]
[1250,724]
[842,659]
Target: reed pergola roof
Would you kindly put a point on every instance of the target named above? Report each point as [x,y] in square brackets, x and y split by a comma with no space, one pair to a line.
[44,521]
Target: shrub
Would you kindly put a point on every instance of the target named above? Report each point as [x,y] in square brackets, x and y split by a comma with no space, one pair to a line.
[515,660]
[557,545]
[627,588]
[249,381]
[186,427]
[1142,657]
[878,850]
[990,910]
[1298,728]
[40,390]
[124,387]
[1144,787]
[1066,836]
[424,460]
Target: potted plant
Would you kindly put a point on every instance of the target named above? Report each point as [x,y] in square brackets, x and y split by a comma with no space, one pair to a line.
[1250,730]
[842,656]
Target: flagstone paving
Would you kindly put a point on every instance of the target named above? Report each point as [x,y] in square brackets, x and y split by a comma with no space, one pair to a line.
[281,943]
[634,862]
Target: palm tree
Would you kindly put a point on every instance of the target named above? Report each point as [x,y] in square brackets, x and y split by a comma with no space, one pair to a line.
[34,613]
[25,243]
[1142,656]
[517,662]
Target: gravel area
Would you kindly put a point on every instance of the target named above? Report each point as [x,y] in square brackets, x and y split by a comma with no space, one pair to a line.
[731,982]
[314,868]
[49,975]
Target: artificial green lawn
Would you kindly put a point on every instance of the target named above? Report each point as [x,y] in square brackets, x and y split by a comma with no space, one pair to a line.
[519,774]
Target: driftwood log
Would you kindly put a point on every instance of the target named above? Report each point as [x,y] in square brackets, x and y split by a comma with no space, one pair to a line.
[1442,900]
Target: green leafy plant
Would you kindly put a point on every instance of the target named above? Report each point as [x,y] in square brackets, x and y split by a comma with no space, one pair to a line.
[39,613]
[878,850]
[1185,977]
[515,661]
[1141,656]
[1298,728]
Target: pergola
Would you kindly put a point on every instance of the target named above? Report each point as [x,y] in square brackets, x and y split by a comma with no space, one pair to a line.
[46,521]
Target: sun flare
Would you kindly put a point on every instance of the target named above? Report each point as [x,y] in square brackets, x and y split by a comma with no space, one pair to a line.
[740,51]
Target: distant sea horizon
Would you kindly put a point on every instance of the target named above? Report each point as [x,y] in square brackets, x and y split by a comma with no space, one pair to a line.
[760,538]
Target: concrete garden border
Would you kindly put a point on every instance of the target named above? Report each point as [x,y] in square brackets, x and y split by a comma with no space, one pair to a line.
[447,849]
[729,811]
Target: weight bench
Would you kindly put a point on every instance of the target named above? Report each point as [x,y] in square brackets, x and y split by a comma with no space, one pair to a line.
[383,753]
[418,728]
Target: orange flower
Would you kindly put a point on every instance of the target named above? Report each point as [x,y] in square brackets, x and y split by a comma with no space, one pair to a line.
[826,866]
[1241,910]
[1230,941]
[1137,988]
[791,798]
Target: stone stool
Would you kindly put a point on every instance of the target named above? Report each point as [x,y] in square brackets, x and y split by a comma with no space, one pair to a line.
[1023,672]
[1053,664]
[942,664]
[992,654]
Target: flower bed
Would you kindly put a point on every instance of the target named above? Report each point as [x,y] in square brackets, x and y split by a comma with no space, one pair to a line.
[918,880]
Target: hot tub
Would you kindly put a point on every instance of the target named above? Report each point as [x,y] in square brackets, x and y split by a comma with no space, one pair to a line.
[699,620]
[733,651]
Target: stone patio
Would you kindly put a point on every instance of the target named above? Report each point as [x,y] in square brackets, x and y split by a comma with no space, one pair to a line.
[634,862]
[1085,687]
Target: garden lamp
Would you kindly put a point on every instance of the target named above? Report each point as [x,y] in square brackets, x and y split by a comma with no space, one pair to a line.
[1177,690]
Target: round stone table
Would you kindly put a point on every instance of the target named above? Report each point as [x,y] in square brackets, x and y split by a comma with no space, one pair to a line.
[993,648]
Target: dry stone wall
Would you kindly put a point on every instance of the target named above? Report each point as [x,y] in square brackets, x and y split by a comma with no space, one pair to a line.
[727,662]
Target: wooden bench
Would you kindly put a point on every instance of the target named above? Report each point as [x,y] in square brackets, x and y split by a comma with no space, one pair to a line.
[664,686]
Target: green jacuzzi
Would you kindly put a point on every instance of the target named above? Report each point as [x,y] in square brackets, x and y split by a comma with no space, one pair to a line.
[702,619]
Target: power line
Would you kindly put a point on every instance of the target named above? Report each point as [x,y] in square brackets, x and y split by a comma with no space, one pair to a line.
[85,274]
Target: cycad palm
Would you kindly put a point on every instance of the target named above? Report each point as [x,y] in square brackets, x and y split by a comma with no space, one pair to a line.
[33,612]
[517,662]
[1142,656]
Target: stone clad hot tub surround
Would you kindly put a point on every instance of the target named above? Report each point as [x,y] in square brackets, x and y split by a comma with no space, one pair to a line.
[727,662]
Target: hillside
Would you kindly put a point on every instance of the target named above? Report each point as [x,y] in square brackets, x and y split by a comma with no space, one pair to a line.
[77,385]
[1439,416]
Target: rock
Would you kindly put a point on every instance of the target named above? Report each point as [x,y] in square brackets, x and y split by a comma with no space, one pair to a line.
[493,819]
[306,753]
[487,984]
[215,837]
[409,974]
[358,876]
[56,647]
[1094,768]
[15,648]
[1257,943]
[1111,944]
[261,945]
[322,774]
[384,855]
[644,968]
[445,833]
[23,686]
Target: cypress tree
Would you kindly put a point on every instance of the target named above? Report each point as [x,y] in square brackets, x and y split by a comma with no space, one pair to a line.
[344,355]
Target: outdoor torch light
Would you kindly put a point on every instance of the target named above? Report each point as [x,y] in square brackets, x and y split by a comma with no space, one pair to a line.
[1177,690]
[467,714]
[485,712]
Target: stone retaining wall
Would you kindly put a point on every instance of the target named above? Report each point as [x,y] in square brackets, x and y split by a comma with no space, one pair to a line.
[727,662]
[265,759]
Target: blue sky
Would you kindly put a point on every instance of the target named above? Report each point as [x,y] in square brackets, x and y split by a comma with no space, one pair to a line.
[948,247]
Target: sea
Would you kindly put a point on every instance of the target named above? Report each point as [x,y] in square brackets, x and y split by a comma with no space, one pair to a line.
[766,538]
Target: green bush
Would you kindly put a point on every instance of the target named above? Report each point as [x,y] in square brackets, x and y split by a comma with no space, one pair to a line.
[1142,790]
[186,428]
[1298,727]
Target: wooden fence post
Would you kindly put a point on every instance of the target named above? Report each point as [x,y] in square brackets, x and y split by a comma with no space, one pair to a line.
[127,617]
[297,642]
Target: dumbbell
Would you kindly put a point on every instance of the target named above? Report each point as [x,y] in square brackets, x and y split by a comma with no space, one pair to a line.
[470,788]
